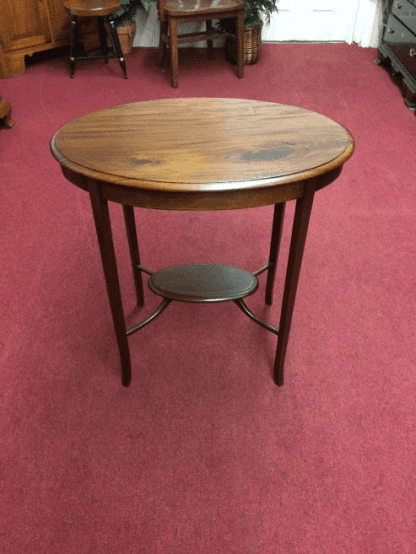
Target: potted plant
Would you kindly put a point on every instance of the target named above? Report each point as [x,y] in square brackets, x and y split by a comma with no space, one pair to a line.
[256,13]
[125,23]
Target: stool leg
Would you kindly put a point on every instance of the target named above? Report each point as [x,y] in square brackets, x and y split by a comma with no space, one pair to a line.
[72,45]
[297,245]
[278,218]
[173,50]
[117,47]
[108,257]
[210,43]
[134,252]
[103,38]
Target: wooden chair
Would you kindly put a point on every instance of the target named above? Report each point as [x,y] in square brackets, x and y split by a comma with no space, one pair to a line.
[102,10]
[173,12]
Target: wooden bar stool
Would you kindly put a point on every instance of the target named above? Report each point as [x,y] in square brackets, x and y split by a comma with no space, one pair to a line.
[173,12]
[102,10]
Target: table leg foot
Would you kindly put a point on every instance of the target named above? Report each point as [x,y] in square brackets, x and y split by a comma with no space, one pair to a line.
[125,369]
[278,376]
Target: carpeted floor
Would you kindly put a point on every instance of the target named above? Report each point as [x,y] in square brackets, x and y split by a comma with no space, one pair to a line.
[203,453]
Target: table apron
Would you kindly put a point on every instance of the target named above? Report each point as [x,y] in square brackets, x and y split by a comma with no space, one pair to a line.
[201,200]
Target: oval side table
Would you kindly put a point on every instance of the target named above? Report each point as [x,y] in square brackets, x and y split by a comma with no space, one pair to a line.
[202,154]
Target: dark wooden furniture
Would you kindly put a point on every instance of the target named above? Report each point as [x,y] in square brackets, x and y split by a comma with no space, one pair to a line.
[30,26]
[219,154]
[398,47]
[174,12]
[102,10]
[5,120]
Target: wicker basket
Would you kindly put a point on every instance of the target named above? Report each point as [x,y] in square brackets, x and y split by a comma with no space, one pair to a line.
[252,45]
[126,35]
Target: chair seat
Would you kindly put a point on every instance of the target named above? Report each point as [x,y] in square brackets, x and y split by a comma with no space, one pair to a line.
[92,8]
[176,8]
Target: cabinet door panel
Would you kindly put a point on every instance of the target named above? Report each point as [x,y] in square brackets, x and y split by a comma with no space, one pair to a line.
[19,21]
[60,20]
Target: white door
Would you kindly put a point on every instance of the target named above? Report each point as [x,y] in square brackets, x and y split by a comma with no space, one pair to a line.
[312,20]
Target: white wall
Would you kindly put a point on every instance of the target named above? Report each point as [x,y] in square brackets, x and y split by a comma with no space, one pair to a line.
[367,28]
[147,33]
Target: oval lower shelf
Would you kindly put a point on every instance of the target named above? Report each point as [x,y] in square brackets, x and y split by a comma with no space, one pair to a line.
[203,283]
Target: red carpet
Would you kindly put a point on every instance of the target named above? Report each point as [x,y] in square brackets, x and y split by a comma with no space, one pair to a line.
[203,453]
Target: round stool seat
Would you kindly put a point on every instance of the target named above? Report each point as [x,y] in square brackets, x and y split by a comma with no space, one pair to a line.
[101,10]
[92,8]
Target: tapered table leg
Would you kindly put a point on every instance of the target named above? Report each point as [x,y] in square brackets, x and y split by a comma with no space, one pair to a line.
[297,245]
[108,258]
[278,218]
[134,252]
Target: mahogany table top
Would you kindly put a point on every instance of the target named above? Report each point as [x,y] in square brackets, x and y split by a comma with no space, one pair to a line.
[202,150]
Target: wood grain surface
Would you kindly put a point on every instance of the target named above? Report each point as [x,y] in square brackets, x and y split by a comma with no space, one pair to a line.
[92,8]
[201,145]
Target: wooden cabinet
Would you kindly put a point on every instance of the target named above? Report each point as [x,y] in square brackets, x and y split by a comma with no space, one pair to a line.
[398,48]
[29,26]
